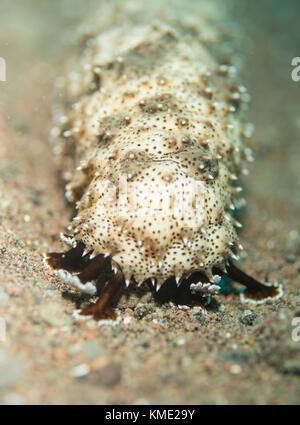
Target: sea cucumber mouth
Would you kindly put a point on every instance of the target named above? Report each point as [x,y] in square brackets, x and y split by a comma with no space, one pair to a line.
[102,277]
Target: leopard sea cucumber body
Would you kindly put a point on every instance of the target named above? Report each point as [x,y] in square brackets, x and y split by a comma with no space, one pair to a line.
[156,121]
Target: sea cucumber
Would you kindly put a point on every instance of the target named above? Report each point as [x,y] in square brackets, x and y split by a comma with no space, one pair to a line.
[153,148]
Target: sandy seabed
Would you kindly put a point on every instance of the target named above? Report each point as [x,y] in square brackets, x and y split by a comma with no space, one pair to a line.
[237,353]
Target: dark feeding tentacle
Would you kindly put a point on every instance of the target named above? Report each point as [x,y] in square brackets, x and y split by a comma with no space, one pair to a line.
[79,269]
[94,268]
[102,310]
[256,292]
[71,261]
[181,294]
[75,262]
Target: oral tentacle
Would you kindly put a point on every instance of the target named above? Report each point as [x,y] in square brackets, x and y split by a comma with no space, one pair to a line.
[256,292]
[102,310]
